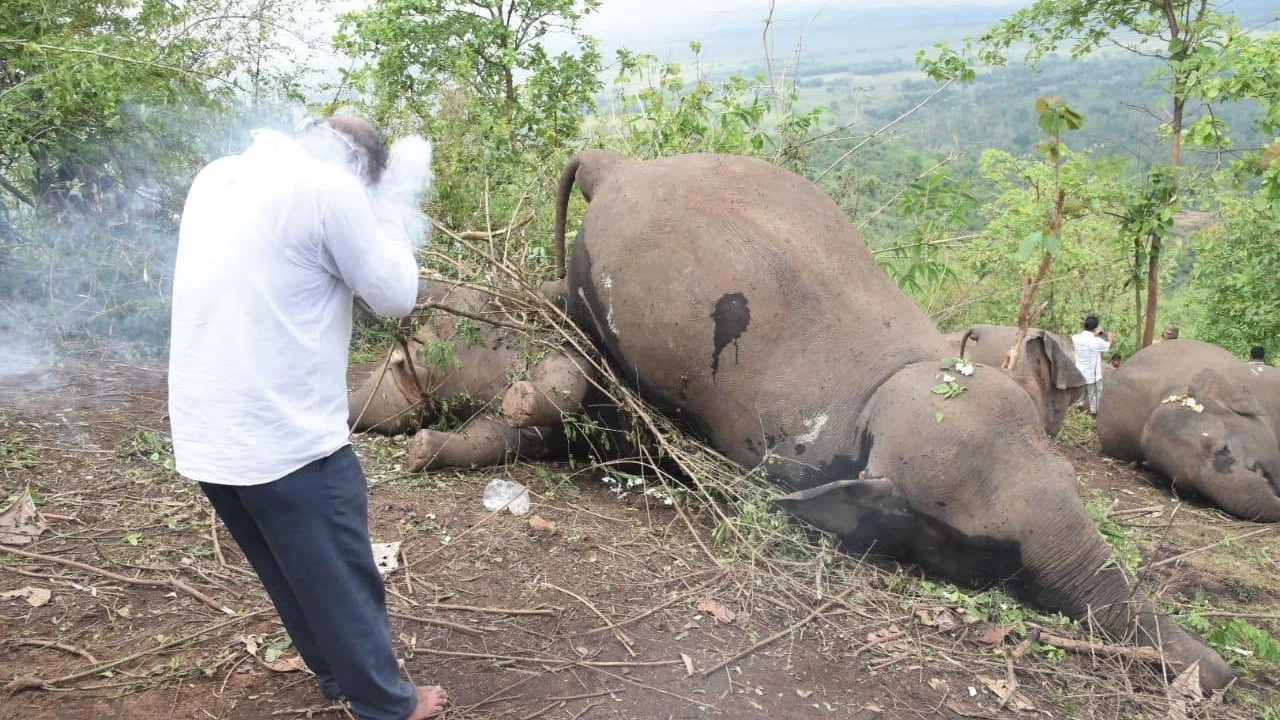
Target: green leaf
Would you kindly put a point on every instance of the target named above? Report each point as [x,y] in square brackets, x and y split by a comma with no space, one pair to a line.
[132,538]
[938,417]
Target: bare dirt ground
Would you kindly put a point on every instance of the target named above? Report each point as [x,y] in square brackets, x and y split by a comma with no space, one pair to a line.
[618,612]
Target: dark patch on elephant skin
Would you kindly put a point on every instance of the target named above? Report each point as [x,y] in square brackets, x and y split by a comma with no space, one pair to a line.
[800,448]
[1223,461]
[732,316]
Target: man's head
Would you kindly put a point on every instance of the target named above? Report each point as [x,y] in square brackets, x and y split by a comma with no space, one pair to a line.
[1091,323]
[1115,360]
[1171,333]
[1257,353]
[347,140]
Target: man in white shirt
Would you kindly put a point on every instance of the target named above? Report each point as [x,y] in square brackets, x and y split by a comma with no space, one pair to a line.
[1090,344]
[272,245]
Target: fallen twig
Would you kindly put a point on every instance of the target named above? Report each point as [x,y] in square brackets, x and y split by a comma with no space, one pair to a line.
[441,623]
[543,711]
[36,643]
[213,533]
[172,582]
[553,661]
[1210,546]
[782,633]
[584,710]
[30,682]
[1145,654]
[618,633]
[584,696]
[492,610]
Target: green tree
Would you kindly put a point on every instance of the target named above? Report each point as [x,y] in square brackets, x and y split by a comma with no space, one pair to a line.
[1199,47]
[478,78]
[1233,286]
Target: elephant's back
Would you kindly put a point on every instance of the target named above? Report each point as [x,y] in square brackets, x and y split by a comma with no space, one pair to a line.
[740,296]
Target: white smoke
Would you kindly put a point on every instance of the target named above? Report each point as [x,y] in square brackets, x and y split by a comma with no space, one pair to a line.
[397,198]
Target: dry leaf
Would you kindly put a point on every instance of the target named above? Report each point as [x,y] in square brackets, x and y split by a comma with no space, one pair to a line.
[940,618]
[1185,693]
[34,596]
[688,664]
[804,694]
[939,685]
[537,523]
[993,635]
[880,636]
[21,524]
[717,610]
[293,663]
[1007,693]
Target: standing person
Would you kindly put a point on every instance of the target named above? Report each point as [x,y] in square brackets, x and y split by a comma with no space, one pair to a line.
[1090,344]
[1257,355]
[272,245]
[1170,333]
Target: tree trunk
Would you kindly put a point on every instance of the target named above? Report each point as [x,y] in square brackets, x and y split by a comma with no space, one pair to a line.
[1153,259]
[1138,319]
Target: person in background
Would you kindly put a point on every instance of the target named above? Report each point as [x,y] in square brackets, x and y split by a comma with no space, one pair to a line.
[1257,355]
[1170,333]
[1114,362]
[273,244]
[1090,344]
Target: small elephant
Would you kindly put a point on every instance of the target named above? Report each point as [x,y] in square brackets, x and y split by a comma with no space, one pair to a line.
[1202,418]
[739,298]
[464,369]
[1046,370]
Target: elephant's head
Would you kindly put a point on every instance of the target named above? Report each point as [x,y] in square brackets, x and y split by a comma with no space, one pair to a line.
[387,401]
[965,485]
[1216,441]
[1045,369]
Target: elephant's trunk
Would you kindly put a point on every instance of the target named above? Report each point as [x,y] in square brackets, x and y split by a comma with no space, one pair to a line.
[1085,583]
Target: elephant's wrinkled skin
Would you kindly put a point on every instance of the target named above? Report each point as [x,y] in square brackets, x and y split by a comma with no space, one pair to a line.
[738,296]
[1046,370]
[466,368]
[1228,453]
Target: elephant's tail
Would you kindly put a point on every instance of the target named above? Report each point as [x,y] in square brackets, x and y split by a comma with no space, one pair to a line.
[964,340]
[586,169]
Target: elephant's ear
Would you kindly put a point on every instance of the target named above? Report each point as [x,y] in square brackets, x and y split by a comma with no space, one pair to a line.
[1062,367]
[1211,388]
[836,507]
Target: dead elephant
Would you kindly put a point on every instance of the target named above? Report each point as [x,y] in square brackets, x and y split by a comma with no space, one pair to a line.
[472,372]
[1046,370]
[739,297]
[1202,418]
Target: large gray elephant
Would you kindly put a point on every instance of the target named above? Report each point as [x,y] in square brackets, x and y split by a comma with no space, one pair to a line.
[478,374]
[1202,418]
[738,296]
[1046,370]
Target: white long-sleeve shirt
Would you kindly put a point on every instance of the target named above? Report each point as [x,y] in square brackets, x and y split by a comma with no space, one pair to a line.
[272,244]
[1089,349]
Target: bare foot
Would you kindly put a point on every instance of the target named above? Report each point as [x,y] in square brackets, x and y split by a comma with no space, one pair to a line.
[431,701]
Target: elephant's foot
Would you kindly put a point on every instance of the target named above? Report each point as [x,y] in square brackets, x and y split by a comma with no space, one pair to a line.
[556,389]
[482,443]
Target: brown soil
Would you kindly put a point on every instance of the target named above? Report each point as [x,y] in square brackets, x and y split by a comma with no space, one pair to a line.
[112,504]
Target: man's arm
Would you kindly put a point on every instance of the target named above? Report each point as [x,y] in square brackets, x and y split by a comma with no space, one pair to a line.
[378,265]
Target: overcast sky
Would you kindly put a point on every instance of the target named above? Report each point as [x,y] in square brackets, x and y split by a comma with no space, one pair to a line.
[632,17]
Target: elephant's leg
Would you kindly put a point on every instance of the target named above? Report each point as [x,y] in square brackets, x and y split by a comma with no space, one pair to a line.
[557,387]
[554,290]
[483,442]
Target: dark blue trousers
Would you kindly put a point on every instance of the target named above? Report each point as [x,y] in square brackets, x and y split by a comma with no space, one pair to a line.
[307,536]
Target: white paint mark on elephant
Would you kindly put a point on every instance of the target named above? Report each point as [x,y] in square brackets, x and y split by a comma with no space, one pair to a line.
[608,283]
[814,426]
[609,319]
